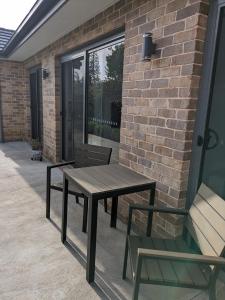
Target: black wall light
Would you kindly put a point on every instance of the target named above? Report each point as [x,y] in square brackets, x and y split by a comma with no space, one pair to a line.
[148,47]
[45,74]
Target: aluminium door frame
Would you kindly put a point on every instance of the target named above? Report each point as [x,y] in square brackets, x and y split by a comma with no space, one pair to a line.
[35,70]
[204,100]
[81,54]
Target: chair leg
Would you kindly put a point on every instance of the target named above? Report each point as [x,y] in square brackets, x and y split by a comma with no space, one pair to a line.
[48,193]
[105,205]
[125,261]
[85,214]
[77,199]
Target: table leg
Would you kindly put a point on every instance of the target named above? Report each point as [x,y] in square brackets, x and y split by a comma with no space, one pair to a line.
[85,213]
[64,209]
[91,243]
[48,193]
[114,211]
[150,214]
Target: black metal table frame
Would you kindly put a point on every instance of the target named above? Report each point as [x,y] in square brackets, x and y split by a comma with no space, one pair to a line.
[93,213]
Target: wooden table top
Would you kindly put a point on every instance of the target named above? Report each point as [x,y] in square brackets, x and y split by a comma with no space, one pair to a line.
[107,178]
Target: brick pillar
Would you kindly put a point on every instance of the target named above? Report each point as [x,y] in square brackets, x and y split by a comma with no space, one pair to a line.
[159,100]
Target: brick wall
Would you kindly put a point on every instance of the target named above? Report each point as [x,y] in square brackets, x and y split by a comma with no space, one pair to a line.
[159,97]
[13,94]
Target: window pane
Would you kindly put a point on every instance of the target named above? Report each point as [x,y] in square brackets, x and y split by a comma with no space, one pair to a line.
[105,72]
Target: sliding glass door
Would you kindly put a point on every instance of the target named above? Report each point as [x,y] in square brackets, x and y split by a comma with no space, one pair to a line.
[72,105]
[208,159]
[104,98]
[92,98]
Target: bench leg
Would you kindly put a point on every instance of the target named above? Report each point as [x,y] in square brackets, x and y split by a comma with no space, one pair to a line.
[105,205]
[77,199]
[137,279]
[85,214]
[48,193]
[125,261]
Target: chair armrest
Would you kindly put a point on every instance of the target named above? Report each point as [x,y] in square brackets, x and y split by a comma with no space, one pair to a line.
[180,256]
[61,164]
[152,209]
[177,211]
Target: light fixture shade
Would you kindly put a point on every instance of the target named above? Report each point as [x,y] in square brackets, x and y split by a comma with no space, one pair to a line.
[45,73]
[148,46]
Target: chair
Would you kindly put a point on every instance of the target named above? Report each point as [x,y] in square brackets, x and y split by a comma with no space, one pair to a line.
[85,156]
[192,261]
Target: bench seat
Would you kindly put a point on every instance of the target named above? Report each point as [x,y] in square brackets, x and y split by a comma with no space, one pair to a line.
[172,262]
[164,272]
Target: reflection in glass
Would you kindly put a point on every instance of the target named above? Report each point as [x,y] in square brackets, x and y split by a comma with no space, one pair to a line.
[72,105]
[105,72]
[213,173]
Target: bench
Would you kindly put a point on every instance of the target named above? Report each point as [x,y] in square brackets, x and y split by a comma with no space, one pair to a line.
[191,261]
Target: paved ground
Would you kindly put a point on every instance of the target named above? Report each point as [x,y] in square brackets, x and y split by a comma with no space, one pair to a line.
[33,262]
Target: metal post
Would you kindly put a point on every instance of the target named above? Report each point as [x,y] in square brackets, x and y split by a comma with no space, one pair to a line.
[91,244]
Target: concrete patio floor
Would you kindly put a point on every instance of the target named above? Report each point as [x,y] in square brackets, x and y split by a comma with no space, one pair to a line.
[33,262]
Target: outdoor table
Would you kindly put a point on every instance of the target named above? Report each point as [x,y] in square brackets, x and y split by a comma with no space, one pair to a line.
[96,183]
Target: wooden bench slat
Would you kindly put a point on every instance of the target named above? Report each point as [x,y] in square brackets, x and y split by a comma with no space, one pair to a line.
[213,216]
[206,223]
[199,238]
[166,267]
[207,229]
[199,273]
[152,265]
[213,199]
[180,268]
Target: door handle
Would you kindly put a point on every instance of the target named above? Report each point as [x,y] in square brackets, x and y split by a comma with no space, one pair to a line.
[200,140]
[211,133]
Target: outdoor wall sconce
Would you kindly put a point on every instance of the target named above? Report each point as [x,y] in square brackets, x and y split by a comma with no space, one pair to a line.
[148,46]
[45,74]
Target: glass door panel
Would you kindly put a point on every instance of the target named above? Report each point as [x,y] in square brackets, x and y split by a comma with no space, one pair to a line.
[105,77]
[213,163]
[72,105]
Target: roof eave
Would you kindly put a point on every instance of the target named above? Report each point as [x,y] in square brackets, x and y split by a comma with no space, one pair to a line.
[39,14]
